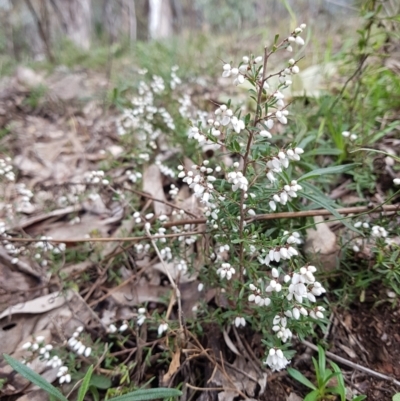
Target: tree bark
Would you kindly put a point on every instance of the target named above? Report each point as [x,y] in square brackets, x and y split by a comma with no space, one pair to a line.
[160,19]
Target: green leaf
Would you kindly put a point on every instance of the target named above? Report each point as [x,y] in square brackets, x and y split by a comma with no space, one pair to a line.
[314,395]
[85,384]
[396,397]
[34,377]
[148,394]
[321,362]
[301,378]
[363,397]
[236,146]
[313,194]
[101,382]
[341,387]
[95,393]
[327,170]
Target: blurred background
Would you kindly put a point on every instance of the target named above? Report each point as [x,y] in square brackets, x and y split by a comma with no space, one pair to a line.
[52,30]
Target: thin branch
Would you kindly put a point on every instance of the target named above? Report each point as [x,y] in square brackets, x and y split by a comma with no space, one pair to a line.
[353,365]
[271,216]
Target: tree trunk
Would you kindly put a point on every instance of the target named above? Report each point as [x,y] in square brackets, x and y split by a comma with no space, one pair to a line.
[160,19]
[76,18]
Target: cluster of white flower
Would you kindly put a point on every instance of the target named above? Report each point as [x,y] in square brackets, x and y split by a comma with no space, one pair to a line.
[14,250]
[141,317]
[238,181]
[375,232]
[133,176]
[285,195]
[165,170]
[240,321]
[279,327]
[239,73]
[157,84]
[24,204]
[257,297]
[224,116]
[295,37]
[38,348]
[185,105]
[200,180]
[175,80]
[278,253]
[277,163]
[6,169]
[276,360]
[173,191]
[226,271]
[96,177]
[379,232]
[63,375]
[112,328]
[347,134]
[76,345]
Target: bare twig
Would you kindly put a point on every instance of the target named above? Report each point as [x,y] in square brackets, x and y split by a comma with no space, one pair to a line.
[270,216]
[353,365]
[170,278]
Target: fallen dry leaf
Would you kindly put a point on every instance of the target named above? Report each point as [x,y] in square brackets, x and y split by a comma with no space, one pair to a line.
[152,184]
[321,245]
[173,367]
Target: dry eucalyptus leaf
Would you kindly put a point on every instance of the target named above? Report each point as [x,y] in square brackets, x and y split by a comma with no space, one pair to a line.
[133,294]
[39,305]
[173,367]
[152,184]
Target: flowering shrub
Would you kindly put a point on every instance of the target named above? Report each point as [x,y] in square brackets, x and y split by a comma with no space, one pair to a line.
[259,270]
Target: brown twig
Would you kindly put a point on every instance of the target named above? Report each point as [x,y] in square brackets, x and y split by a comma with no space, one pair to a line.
[260,217]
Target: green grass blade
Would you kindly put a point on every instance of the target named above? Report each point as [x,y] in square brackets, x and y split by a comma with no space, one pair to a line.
[85,384]
[148,394]
[313,194]
[327,170]
[321,362]
[34,377]
[301,378]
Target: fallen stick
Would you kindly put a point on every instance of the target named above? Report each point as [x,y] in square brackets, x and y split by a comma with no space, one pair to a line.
[353,365]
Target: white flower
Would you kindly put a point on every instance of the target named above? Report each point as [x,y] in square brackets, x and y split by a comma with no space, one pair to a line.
[238,181]
[162,327]
[240,321]
[276,360]
[87,352]
[237,124]
[265,134]
[123,328]
[226,271]
[225,114]
[396,181]
[112,328]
